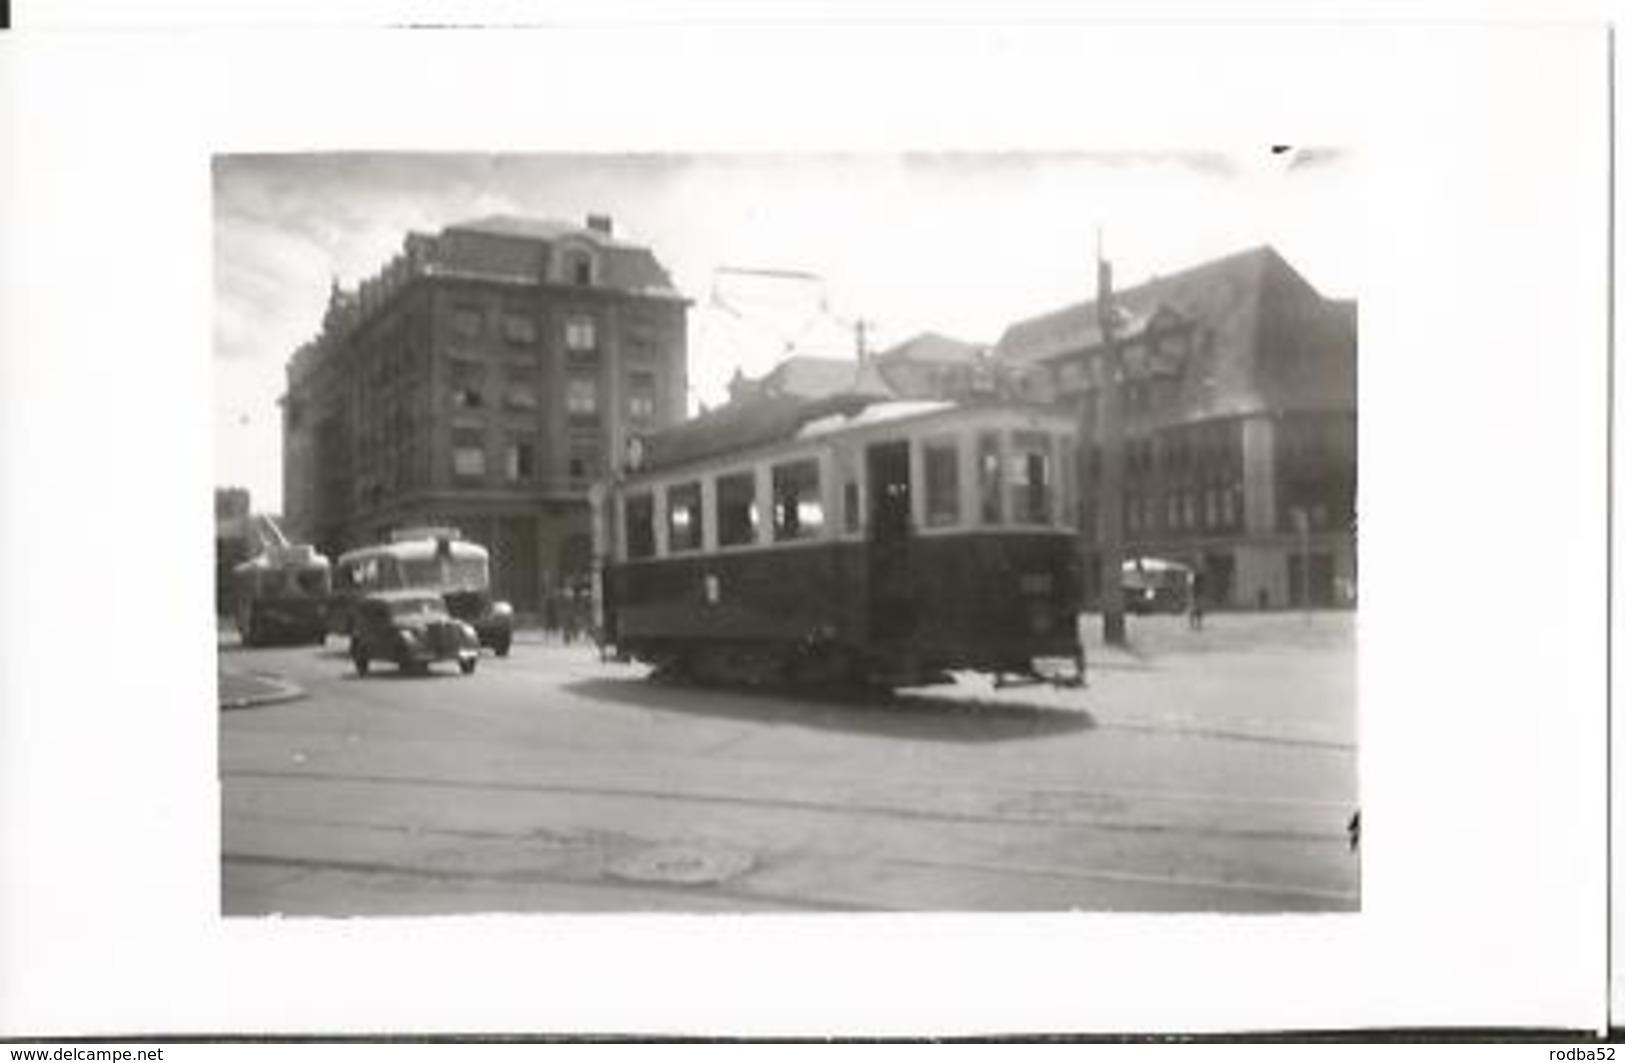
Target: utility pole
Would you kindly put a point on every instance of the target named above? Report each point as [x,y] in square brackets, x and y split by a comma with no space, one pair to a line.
[1110,433]
[1300,521]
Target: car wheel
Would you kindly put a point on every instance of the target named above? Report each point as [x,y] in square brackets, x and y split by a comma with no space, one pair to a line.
[361,663]
[467,664]
[503,645]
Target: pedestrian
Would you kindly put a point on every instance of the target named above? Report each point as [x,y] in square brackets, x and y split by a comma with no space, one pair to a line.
[550,615]
[1196,604]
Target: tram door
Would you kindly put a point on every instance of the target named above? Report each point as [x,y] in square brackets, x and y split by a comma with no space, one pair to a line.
[891,598]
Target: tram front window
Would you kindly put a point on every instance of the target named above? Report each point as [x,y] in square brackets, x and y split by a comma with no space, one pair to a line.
[941,484]
[1030,478]
[990,478]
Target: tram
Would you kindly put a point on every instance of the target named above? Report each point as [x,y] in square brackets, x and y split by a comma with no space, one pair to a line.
[849,539]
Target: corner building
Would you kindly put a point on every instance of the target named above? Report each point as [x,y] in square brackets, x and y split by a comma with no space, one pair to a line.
[484,379]
[1237,399]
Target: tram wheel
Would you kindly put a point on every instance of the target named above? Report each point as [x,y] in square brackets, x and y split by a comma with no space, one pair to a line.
[825,665]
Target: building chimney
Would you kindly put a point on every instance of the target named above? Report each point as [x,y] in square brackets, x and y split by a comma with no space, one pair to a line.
[601,223]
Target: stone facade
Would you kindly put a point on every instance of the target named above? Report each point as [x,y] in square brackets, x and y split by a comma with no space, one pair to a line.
[1238,398]
[484,379]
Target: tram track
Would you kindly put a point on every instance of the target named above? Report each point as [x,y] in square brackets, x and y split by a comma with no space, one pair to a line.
[530,878]
[842,808]
[741,891]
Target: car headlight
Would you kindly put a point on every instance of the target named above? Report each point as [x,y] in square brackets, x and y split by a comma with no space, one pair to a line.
[501,609]
[469,633]
[408,638]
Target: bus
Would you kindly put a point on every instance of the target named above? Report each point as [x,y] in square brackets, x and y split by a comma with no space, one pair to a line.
[1157,585]
[432,558]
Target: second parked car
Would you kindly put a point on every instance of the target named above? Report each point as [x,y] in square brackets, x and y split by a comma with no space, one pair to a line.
[411,629]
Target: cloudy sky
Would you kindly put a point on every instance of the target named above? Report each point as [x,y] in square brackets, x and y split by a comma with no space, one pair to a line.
[960,244]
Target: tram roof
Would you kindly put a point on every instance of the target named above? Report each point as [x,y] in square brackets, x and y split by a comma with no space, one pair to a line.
[743,426]
[763,422]
[416,550]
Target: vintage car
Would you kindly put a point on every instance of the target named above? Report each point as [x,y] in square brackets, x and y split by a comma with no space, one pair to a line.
[411,628]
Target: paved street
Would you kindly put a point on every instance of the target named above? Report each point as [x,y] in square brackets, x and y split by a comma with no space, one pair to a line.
[1205,771]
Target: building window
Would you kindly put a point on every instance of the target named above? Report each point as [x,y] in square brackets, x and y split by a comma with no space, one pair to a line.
[583,465]
[468,459]
[640,396]
[640,526]
[581,395]
[798,507]
[685,522]
[737,515]
[581,334]
[522,394]
[519,329]
[520,460]
[468,387]
[1032,478]
[990,477]
[578,267]
[941,484]
[466,321]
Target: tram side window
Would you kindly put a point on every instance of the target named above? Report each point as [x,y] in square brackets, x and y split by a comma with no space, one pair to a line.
[990,477]
[737,517]
[941,484]
[1031,477]
[640,526]
[684,519]
[798,508]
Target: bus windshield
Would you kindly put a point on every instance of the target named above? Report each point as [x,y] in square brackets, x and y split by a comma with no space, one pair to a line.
[418,609]
[463,573]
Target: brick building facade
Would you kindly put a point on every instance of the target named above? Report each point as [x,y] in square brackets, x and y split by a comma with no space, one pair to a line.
[483,379]
[1238,405]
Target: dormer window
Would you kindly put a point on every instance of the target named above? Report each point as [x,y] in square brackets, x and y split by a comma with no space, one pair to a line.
[574,261]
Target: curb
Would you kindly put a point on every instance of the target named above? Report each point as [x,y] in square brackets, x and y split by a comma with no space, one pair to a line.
[276,691]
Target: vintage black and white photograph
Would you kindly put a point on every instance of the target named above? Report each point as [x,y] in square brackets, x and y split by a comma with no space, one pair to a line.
[787,533]
[948,528]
